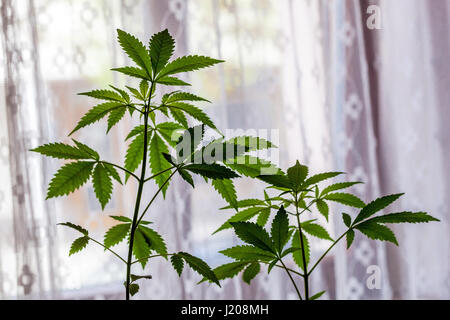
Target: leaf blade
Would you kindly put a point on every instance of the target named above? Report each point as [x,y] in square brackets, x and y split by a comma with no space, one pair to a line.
[377,231]
[404,217]
[69,178]
[187,63]
[177,263]
[254,234]
[248,253]
[376,205]
[95,114]
[316,230]
[116,234]
[345,198]
[156,240]
[158,163]
[62,151]
[135,50]
[280,229]
[161,48]
[297,255]
[250,272]
[226,190]
[212,171]
[78,245]
[102,184]
[200,267]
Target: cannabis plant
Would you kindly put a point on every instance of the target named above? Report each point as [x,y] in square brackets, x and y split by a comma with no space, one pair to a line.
[296,195]
[164,147]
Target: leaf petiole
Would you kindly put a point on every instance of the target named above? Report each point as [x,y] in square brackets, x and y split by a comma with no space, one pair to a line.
[159,173]
[106,248]
[153,256]
[121,168]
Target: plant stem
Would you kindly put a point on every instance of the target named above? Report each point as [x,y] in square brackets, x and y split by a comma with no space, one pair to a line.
[113,252]
[278,266]
[328,250]
[154,197]
[121,168]
[153,256]
[155,175]
[132,107]
[292,280]
[309,205]
[156,108]
[138,198]
[300,233]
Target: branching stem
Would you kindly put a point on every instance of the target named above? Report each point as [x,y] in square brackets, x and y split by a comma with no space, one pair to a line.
[153,256]
[157,174]
[106,248]
[121,168]
[300,233]
[154,197]
[134,223]
[278,266]
[292,279]
[328,250]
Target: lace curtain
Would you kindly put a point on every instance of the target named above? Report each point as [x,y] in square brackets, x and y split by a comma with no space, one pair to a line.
[310,75]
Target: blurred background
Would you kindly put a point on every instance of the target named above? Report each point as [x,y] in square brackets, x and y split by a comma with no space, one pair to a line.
[341,85]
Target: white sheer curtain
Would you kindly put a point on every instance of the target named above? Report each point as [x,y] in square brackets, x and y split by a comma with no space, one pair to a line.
[372,103]
[413,143]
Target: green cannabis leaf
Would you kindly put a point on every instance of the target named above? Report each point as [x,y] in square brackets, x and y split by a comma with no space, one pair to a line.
[102,184]
[135,50]
[213,171]
[249,252]
[177,263]
[97,113]
[150,148]
[228,270]
[116,234]
[251,271]
[161,49]
[226,189]
[296,194]
[280,229]
[69,178]
[254,234]
[63,151]
[78,245]
[187,63]
[199,266]
[376,206]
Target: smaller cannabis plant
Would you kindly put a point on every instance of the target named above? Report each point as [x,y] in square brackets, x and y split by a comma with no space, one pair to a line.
[164,147]
[296,195]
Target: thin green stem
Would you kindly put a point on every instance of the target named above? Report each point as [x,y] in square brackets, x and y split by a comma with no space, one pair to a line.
[158,107]
[154,197]
[328,250]
[132,107]
[106,248]
[159,173]
[292,279]
[138,199]
[300,232]
[153,256]
[278,266]
[121,168]
[309,206]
